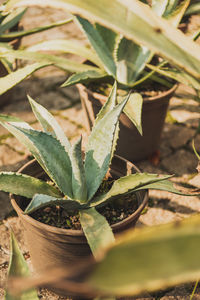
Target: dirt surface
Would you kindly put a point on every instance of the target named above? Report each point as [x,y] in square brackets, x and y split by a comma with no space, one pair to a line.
[175,155]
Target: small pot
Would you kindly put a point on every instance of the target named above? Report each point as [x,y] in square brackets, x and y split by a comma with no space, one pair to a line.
[131,145]
[52,247]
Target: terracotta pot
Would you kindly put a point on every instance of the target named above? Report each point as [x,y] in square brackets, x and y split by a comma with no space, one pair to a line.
[131,145]
[52,247]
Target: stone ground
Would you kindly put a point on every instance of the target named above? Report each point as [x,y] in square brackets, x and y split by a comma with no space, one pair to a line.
[176,153]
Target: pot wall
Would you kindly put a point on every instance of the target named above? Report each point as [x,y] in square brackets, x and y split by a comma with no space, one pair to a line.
[131,145]
[51,247]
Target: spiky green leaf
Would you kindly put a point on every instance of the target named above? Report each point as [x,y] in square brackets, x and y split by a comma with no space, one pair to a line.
[99,148]
[12,79]
[99,45]
[13,126]
[133,110]
[54,157]
[40,200]
[131,60]
[193,9]
[24,185]
[49,123]
[79,186]
[18,267]
[84,77]
[128,184]
[97,230]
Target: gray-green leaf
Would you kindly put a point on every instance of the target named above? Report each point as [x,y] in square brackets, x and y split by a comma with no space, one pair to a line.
[97,230]
[24,185]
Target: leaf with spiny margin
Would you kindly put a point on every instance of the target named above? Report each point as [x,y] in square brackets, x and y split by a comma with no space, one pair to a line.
[54,157]
[6,37]
[133,110]
[97,230]
[49,123]
[12,79]
[128,184]
[12,19]
[177,14]
[109,105]
[99,45]
[40,200]
[19,268]
[67,46]
[100,147]
[13,126]
[24,185]
[171,6]
[131,60]
[79,187]
[109,36]
[84,77]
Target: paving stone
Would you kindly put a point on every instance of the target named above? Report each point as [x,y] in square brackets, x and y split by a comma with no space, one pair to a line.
[176,136]
[7,155]
[180,162]
[156,216]
[52,100]
[71,93]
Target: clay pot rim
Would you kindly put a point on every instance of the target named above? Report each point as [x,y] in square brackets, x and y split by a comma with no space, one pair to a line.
[72,232]
[103,98]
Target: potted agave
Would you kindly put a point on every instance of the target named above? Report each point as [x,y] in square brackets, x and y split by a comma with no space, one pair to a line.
[71,206]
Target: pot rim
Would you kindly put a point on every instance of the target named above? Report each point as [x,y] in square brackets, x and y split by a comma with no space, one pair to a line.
[103,98]
[115,227]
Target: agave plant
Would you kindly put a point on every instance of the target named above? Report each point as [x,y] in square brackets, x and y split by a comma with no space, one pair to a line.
[118,52]
[76,181]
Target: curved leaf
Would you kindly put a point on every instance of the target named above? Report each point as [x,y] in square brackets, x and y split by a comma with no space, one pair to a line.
[24,185]
[84,77]
[99,148]
[49,123]
[54,157]
[11,20]
[97,230]
[12,79]
[175,16]
[128,184]
[133,110]
[40,200]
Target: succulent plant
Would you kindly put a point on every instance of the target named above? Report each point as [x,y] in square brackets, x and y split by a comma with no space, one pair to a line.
[76,181]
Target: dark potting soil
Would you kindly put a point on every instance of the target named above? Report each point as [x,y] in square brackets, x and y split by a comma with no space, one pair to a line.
[114,211]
